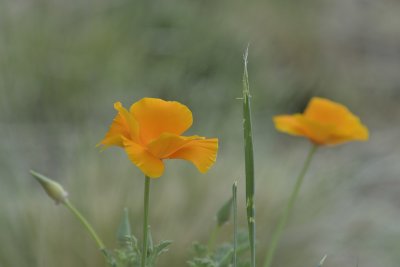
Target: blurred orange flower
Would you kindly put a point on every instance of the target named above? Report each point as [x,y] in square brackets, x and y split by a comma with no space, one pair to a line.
[151,132]
[324,122]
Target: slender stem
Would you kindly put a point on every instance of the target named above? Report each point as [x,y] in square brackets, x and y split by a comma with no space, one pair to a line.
[87,226]
[283,220]
[249,162]
[212,238]
[145,219]
[234,199]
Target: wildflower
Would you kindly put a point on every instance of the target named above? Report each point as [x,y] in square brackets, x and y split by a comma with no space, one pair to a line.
[324,122]
[151,132]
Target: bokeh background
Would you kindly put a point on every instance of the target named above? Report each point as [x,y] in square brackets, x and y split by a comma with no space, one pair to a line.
[64,63]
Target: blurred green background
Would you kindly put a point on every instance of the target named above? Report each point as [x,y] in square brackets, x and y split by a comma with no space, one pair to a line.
[64,63]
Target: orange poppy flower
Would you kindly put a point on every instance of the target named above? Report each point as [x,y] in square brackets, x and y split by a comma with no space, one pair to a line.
[151,132]
[324,122]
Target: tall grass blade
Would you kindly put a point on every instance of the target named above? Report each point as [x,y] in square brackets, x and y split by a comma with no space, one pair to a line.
[249,160]
[234,202]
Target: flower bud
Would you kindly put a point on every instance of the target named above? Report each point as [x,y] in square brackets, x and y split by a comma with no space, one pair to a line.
[52,188]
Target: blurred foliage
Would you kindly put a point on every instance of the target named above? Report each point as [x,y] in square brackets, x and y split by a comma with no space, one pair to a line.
[129,254]
[222,255]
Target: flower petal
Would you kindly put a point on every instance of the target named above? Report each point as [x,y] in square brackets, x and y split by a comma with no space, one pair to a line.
[317,132]
[299,125]
[347,126]
[168,143]
[328,112]
[123,126]
[150,165]
[201,152]
[290,124]
[156,116]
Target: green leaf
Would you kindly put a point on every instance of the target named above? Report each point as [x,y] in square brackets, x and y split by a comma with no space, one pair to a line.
[223,254]
[202,262]
[162,247]
[224,213]
[129,255]
[110,258]
[157,250]
[199,250]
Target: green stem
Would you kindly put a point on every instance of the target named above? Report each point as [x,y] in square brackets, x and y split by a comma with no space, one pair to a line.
[249,162]
[87,226]
[145,219]
[234,199]
[212,238]
[283,220]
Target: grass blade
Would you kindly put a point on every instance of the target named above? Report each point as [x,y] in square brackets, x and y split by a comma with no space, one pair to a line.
[249,160]
[234,202]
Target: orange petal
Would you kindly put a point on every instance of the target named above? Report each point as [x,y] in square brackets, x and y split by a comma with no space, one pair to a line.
[290,124]
[168,143]
[112,140]
[151,166]
[319,133]
[123,126]
[324,122]
[351,132]
[131,123]
[156,116]
[201,152]
[328,112]
[345,126]
[299,125]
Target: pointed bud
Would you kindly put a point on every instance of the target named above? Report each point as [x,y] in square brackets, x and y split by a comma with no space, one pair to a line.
[224,213]
[52,188]
[124,233]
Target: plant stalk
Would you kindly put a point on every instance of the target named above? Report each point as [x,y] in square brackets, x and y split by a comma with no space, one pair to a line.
[234,203]
[145,219]
[87,226]
[249,162]
[276,235]
[212,239]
